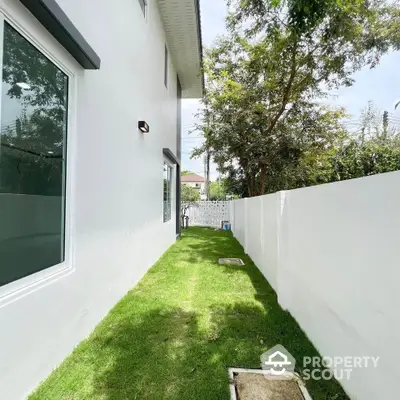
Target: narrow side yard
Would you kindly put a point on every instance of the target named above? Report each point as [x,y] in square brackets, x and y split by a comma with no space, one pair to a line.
[175,334]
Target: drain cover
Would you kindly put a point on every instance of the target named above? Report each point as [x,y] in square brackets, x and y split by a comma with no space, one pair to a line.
[250,384]
[231,261]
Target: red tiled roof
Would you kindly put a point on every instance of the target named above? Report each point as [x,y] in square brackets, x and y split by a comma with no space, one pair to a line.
[192,178]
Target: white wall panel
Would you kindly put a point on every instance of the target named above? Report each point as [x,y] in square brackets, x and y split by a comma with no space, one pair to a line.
[253,227]
[240,221]
[116,177]
[332,254]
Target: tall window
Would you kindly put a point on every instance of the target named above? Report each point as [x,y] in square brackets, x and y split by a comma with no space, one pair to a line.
[166,67]
[143,6]
[34,103]
[167,191]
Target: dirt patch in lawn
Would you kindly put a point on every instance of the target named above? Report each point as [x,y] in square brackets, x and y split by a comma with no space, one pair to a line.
[257,387]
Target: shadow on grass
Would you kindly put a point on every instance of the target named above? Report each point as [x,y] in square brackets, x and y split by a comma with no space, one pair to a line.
[167,355]
[211,246]
[280,326]
[147,349]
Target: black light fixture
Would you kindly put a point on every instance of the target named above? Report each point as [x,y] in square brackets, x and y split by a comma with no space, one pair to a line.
[143,127]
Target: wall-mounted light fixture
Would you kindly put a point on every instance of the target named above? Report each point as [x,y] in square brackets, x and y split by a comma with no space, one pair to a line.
[143,127]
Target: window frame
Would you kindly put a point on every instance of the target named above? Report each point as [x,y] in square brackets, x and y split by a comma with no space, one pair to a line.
[171,191]
[18,17]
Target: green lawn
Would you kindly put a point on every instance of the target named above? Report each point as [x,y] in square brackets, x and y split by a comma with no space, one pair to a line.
[175,334]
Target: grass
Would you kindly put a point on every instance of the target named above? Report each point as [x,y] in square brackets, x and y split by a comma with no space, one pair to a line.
[175,334]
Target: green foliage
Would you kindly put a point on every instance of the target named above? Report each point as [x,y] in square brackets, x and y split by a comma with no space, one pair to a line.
[189,194]
[194,315]
[32,146]
[373,25]
[375,156]
[260,117]
[183,173]
[218,190]
[374,149]
[46,101]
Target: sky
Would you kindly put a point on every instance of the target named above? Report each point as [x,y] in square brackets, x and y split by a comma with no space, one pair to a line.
[381,85]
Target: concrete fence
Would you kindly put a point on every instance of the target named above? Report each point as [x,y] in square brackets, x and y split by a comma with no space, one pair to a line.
[332,254]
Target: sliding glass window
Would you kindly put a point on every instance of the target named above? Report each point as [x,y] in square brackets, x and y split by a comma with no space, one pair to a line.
[34,104]
[167,191]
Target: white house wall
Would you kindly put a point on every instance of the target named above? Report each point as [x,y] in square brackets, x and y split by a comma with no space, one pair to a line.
[116,178]
[194,185]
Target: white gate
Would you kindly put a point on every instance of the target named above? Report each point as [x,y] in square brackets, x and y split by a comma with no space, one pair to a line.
[207,213]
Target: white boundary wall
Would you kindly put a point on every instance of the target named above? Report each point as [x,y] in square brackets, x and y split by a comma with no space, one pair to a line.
[332,253]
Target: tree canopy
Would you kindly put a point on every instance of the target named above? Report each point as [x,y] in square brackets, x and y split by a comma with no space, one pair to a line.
[218,190]
[189,194]
[262,115]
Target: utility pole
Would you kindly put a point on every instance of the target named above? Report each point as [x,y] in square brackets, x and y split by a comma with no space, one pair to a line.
[207,154]
[207,173]
[206,161]
[385,124]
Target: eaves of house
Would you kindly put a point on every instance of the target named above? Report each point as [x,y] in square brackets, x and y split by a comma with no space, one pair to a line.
[182,24]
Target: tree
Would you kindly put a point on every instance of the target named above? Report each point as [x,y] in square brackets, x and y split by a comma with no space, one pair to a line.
[45,102]
[189,194]
[371,118]
[375,21]
[32,148]
[264,78]
[256,163]
[185,172]
[375,148]
[218,190]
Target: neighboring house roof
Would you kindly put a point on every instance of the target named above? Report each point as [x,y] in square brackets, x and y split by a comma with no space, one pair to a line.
[182,26]
[192,178]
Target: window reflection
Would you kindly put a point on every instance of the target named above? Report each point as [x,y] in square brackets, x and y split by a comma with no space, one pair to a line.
[167,192]
[32,159]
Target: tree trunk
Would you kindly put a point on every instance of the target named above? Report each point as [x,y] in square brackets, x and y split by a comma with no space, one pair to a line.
[250,184]
[263,179]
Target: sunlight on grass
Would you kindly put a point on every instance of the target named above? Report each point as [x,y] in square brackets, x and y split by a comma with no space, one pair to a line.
[175,334]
